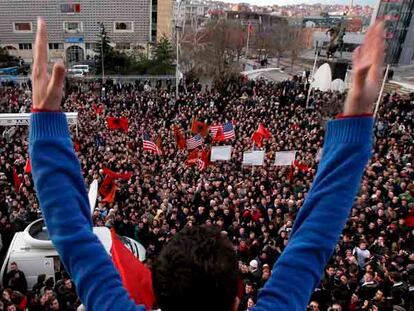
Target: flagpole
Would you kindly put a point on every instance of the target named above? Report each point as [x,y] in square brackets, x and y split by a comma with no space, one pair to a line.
[382,91]
[248,39]
[310,83]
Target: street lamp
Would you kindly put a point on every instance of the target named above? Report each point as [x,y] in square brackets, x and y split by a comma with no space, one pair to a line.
[102,28]
[177,71]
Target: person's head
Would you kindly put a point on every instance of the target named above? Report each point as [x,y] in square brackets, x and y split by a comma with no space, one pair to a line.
[68,283]
[314,306]
[13,266]
[379,295]
[330,271]
[197,264]
[369,277]
[52,304]
[335,307]
[395,277]
[248,288]
[250,303]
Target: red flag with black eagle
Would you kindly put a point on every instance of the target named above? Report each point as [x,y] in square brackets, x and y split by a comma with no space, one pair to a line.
[192,158]
[135,276]
[257,139]
[114,175]
[264,131]
[17,181]
[198,127]
[204,161]
[118,123]
[179,138]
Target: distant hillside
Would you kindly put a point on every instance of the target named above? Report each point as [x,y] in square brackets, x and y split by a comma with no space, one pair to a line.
[290,2]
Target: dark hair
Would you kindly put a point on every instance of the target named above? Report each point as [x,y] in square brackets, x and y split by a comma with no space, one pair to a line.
[196,270]
[396,276]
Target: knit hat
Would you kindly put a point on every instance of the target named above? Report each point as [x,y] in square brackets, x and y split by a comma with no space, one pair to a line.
[254,264]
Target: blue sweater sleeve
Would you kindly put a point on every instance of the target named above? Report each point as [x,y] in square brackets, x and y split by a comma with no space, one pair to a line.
[65,206]
[347,148]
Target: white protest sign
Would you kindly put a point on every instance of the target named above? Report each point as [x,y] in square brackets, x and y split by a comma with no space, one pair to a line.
[93,194]
[285,158]
[221,153]
[253,157]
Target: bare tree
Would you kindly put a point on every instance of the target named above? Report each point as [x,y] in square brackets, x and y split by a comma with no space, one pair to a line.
[215,48]
[272,40]
[295,43]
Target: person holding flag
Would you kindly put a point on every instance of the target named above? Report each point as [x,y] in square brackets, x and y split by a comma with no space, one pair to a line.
[197,269]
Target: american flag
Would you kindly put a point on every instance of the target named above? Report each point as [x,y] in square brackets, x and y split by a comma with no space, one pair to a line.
[194,142]
[227,129]
[149,145]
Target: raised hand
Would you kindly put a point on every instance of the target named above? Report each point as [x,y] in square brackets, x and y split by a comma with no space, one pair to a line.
[368,62]
[47,90]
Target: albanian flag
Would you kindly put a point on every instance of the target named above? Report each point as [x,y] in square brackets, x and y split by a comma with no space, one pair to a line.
[135,276]
[112,174]
[257,139]
[264,131]
[17,181]
[199,127]
[179,138]
[118,123]
[192,158]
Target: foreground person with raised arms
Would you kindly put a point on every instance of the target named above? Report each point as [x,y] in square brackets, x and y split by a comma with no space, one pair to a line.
[197,269]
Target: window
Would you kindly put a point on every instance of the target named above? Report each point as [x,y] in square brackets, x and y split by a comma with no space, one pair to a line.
[25,46]
[54,46]
[123,46]
[70,8]
[22,27]
[73,27]
[123,26]
[90,46]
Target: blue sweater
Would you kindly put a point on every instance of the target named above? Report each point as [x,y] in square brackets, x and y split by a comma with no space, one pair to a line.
[64,202]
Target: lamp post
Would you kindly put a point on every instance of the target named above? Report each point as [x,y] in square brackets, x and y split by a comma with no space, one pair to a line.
[102,28]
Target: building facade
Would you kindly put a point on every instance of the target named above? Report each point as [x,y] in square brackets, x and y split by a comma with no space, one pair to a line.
[74,26]
[399,18]
[164,22]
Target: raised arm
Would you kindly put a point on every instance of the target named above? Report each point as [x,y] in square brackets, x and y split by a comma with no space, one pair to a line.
[347,148]
[62,194]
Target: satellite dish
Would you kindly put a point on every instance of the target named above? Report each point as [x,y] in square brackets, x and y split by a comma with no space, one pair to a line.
[323,78]
[338,85]
[93,194]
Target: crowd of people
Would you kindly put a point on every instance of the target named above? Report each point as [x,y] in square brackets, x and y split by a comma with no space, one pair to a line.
[372,267]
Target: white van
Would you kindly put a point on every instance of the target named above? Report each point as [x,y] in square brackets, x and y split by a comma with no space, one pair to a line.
[77,73]
[34,253]
[85,68]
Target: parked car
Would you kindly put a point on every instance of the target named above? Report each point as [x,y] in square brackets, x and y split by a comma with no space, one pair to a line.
[35,254]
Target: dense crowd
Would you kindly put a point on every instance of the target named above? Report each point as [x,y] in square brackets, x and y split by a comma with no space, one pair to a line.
[372,267]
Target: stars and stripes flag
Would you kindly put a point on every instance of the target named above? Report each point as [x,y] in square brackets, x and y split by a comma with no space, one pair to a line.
[194,142]
[149,145]
[223,132]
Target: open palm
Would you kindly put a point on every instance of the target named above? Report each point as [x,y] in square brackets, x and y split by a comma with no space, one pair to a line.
[368,62]
[47,89]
